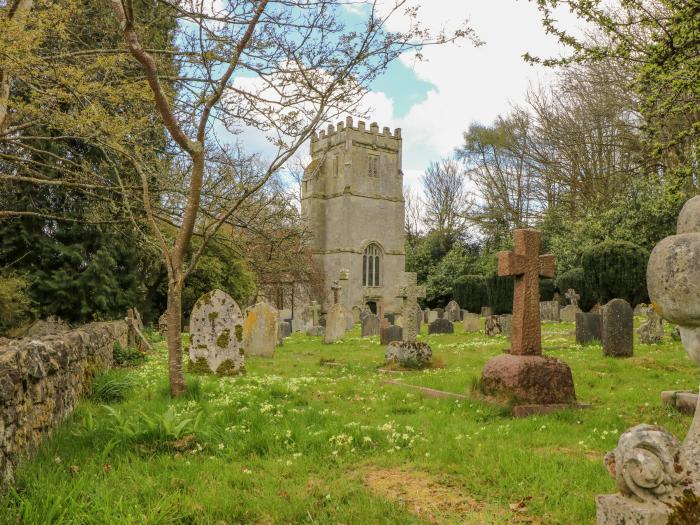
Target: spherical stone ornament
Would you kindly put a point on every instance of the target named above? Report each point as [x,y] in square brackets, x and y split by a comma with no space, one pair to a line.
[409,354]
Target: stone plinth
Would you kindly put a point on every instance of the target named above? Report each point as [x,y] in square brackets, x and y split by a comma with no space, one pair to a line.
[615,509]
[528,379]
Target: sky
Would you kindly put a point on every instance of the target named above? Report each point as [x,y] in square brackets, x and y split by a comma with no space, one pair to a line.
[434,101]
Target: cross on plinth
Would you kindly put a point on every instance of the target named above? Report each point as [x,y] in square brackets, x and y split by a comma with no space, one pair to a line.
[410,292]
[336,291]
[527,266]
[572,296]
[315,311]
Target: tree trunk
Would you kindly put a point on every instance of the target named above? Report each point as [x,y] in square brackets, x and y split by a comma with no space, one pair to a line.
[177,379]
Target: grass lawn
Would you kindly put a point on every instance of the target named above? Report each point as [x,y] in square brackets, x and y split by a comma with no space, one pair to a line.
[298,441]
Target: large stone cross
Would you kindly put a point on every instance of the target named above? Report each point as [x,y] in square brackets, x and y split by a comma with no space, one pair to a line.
[410,292]
[315,311]
[336,291]
[525,263]
[572,296]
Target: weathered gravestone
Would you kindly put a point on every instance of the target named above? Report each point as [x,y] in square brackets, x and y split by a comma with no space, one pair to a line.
[336,319]
[370,325]
[284,329]
[618,329]
[471,322]
[419,318]
[641,310]
[658,477]
[348,320]
[383,321]
[365,312]
[492,326]
[426,315]
[568,313]
[652,331]
[432,316]
[505,321]
[410,292]
[216,335]
[525,375]
[390,333]
[452,311]
[260,330]
[315,329]
[356,314]
[409,354]
[572,296]
[549,311]
[441,326]
[486,311]
[163,324]
[297,324]
[589,328]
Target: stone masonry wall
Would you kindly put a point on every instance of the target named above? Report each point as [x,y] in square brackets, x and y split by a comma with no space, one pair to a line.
[40,381]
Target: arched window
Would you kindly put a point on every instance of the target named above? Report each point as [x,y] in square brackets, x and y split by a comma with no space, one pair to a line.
[371,265]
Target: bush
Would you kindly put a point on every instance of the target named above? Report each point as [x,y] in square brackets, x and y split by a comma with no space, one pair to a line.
[500,293]
[616,269]
[127,356]
[574,278]
[547,289]
[470,292]
[111,387]
[15,304]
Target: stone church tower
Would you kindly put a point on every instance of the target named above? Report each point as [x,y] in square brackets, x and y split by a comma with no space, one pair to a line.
[352,202]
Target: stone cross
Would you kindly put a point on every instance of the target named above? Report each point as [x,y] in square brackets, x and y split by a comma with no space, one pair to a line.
[410,292]
[572,296]
[336,291]
[527,266]
[315,311]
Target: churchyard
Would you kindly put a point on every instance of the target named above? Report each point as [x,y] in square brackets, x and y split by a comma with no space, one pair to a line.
[316,435]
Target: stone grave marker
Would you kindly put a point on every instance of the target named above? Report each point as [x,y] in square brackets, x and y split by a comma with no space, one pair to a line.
[315,329]
[572,296]
[410,292]
[390,333]
[419,318]
[618,329]
[441,326]
[452,311]
[284,329]
[589,328]
[486,311]
[260,330]
[641,310]
[383,321]
[163,324]
[349,320]
[216,335]
[525,375]
[505,321]
[432,316]
[440,313]
[652,331]
[426,315]
[356,314]
[370,325]
[549,311]
[297,324]
[336,319]
[471,322]
[492,326]
[568,313]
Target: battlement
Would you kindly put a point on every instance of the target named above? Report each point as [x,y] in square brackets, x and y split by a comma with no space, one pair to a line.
[361,128]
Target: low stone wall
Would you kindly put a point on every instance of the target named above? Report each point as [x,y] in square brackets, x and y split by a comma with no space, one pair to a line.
[40,381]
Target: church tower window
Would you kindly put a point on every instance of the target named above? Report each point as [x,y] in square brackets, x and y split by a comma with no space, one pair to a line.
[371,265]
[373,167]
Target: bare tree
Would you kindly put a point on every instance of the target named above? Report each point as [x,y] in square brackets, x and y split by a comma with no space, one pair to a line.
[446,201]
[413,214]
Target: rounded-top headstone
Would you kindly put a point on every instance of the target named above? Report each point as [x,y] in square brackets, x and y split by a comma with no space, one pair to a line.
[260,330]
[216,334]
[618,329]
[689,217]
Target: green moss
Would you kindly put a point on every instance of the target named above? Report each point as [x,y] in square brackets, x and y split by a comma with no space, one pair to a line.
[213,316]
[224,338]
[687,511]
[239,333]
[228,368]
[200,366]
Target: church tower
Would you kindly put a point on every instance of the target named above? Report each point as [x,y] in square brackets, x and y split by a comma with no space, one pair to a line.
[352,202]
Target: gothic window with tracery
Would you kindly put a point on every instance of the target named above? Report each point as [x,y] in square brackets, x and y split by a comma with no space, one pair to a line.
[371,265]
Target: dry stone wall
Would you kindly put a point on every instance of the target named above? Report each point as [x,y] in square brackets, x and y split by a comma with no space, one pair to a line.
[40,381]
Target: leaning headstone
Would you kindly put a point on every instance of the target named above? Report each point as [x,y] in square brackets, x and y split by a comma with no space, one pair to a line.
[356,314]
[568,313]
[524,375]
[652,331]
[471,322]
[589,328]
[441,326]
[336,323]
[409,354]
[452,311]
[486,311]
[549,311]
[390,333]
[260,330]
[216,335]
[492,326]
[370,325]
[432,316]
[505,321]
[618,329]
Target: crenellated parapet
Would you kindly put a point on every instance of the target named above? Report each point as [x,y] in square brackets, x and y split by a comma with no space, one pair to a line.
[342,131]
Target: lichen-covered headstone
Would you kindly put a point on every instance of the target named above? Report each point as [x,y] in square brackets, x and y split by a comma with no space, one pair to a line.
[452,311]
[549,311]
[441,326]
[471,322]
[492,326]
[260,330]
[336,323]
[568,313]
[505,321]
[370,325]
[618,329]
[652,331]
[216,335]
[163,324]
[409,354]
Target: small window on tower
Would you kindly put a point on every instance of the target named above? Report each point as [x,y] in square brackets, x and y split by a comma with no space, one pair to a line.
[335,166]
[373,169]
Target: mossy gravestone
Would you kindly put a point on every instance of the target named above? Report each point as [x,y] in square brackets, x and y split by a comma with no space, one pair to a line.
[216,335]
[618,329]
[260,330]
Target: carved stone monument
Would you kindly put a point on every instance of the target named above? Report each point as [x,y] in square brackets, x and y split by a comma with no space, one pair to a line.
[525,375]
[409,350]
[652,331]
[659,477]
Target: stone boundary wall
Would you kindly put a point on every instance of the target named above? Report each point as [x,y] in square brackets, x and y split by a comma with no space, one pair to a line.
[40,381]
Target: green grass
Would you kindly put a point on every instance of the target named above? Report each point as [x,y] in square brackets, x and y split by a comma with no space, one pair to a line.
[292,440]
